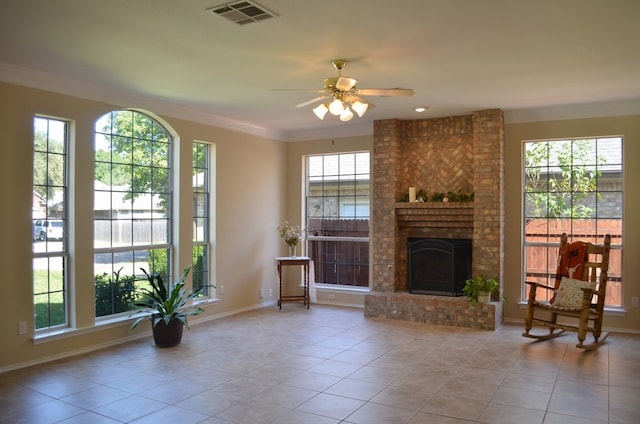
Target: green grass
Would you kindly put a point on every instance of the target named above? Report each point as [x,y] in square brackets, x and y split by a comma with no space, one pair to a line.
[49,303]
[48,311]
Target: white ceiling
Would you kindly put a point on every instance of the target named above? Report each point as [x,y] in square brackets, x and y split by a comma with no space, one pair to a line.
[540,59]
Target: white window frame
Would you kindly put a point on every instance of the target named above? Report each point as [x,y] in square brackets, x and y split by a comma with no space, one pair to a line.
[601,160]
[158,215]
[335,173]
[204,232]
[46,252]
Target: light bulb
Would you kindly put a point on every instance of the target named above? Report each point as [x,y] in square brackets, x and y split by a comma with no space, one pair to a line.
[336,107]
[359,107]
[321,110]
[346,115]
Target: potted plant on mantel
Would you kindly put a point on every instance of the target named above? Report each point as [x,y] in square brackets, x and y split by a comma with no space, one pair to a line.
[169,308]
[480,289]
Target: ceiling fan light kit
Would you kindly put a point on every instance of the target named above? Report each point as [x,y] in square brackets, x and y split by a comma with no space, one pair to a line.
[346,97]
[341,108]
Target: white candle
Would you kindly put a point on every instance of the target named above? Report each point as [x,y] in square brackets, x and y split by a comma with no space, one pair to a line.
[412,194]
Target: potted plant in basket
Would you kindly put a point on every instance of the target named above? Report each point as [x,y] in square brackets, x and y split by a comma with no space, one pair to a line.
[169,307]
[480,289]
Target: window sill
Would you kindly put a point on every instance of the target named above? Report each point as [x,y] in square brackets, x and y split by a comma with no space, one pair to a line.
[205,302]
[65,333]
[341,289]
[100,324]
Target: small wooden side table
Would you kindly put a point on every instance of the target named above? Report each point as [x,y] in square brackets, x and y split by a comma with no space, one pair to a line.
[305,262]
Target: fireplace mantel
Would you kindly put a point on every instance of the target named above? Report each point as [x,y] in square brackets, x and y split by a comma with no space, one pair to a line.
[435,214]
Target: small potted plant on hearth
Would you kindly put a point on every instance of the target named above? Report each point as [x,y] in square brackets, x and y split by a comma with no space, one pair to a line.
[480,289]
[169,308]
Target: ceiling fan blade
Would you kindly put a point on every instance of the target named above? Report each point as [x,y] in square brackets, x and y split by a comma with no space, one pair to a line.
[385,92]
[353,98]
[344,89]
[346,83]
[306,90]
[308,102]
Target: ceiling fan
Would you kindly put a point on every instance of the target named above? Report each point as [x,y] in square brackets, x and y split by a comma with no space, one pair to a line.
[344,98]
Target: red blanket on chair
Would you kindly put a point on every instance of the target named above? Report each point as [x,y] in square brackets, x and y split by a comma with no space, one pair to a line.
[570,262]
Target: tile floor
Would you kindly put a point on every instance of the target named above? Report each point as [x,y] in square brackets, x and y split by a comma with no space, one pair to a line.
[331,365]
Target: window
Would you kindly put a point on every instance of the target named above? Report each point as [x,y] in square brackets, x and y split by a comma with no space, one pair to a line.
[337,217]
[572,186]
[49,206]
[132,207]
[202,158]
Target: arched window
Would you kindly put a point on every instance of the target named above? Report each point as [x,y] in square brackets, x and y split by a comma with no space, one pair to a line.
[132,206]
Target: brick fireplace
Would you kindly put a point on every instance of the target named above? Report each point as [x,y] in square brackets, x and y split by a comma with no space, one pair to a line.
[455,154]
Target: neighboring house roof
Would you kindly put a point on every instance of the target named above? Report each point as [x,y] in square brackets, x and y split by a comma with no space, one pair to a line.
[108,198]
[114,198]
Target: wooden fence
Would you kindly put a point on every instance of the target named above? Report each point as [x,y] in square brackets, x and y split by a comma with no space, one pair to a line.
[541,260]
[127,233]
[344,262]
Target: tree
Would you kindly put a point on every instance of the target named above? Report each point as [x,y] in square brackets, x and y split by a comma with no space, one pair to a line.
[135,152]
[48,165]
[107,172]
[560,178]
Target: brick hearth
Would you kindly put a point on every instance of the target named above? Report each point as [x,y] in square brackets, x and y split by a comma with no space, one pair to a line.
[457,154]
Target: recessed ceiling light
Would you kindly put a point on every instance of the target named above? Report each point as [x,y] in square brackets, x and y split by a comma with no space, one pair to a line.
[421,108]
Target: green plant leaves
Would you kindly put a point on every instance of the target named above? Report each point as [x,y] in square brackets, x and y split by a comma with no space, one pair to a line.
[166,304]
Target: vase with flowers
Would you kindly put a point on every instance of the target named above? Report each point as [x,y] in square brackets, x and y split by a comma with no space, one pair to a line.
[291,234]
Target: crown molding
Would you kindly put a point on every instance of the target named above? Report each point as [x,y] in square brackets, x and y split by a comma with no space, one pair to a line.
[618,107]
[62,85]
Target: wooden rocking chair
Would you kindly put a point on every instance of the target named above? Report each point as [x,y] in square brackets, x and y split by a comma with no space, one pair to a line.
[579,299]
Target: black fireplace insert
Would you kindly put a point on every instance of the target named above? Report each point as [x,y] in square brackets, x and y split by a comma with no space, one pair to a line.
[438,266]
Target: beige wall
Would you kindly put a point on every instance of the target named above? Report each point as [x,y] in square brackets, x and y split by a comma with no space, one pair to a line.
[250,196]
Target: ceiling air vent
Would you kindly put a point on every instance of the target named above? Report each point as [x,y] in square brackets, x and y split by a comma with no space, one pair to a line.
[242,12]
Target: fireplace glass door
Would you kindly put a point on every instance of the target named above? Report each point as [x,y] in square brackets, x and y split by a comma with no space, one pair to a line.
[438,266]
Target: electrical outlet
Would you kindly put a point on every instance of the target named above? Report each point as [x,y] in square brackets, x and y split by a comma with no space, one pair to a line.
[261,293]
[221,289]
[331,296]
[270,292]
[22,328]
[634,302]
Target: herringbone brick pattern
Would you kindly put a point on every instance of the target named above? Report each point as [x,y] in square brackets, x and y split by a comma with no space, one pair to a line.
[438,164]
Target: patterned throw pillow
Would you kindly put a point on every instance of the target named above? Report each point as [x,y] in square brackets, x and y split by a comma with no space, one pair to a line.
[569,293]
